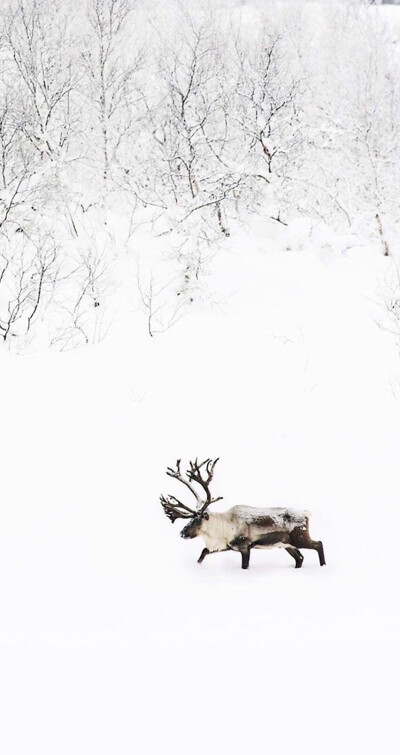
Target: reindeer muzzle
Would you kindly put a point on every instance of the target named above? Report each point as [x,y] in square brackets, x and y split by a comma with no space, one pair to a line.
[187,532]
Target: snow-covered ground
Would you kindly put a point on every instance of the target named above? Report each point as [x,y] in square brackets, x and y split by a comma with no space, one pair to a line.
[275,346]
[113,638]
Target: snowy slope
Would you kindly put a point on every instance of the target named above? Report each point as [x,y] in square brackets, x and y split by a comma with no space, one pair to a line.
[284,374]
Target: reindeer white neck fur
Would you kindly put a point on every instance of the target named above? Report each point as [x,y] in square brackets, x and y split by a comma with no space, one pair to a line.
[217,531]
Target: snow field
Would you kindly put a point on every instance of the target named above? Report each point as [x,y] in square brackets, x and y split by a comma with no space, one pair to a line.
[107,620]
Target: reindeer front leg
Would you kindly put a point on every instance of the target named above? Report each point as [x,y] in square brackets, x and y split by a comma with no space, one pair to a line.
[243,545]
[245,558]
[205,552]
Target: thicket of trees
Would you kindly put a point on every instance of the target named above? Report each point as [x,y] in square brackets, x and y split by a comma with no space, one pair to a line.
[119,114]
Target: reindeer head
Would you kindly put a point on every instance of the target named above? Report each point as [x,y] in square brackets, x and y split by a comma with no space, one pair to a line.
[201,474]
[193,528]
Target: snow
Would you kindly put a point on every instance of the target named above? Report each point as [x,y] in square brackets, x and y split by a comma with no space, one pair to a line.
[111,633]
[281,359]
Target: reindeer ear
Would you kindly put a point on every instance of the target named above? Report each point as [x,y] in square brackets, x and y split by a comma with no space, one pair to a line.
[206,515]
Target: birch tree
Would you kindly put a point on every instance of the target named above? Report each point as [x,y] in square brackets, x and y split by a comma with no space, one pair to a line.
[356,149]
[110,72]
[39,41]
[268,114]
[28,275]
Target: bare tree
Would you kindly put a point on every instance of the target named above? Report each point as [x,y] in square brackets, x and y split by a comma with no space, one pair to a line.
[81,316]
[356,148]
[38,111]
[110,74]
[268,113]
[157,300]
[19,191]
[187,173]
[28,275]
[40,53]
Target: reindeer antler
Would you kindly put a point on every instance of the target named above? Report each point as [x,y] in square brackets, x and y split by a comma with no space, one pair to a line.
[179,476]
[194,474]
[175,509]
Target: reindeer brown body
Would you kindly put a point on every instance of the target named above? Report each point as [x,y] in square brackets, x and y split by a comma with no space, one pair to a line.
[241,528]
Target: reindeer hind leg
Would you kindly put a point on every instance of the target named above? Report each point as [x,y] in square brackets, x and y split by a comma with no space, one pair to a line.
[300,538]
[320,549]
[298,557]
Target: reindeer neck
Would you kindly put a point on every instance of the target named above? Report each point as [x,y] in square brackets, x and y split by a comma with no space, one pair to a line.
[216,531]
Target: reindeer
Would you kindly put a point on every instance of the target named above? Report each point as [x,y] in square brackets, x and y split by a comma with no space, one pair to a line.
[241,528]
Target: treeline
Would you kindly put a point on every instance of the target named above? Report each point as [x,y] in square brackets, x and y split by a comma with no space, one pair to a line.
[115,114]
